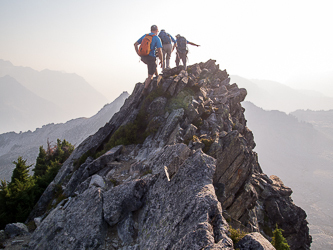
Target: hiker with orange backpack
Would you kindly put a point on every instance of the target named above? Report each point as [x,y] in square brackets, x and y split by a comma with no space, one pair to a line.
[182,49]
[148,43]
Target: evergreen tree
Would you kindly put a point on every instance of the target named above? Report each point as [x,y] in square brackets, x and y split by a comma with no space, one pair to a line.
[41,163]
[21,171]
[18,197]
[278,241]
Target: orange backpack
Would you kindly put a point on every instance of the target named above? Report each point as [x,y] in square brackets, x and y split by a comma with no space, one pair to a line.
[144,48]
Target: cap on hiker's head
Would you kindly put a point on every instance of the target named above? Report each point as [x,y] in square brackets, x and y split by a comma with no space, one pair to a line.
[153,28]
[163,30]
[178,35]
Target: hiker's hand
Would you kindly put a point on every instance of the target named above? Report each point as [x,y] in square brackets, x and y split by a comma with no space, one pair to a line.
[161,64]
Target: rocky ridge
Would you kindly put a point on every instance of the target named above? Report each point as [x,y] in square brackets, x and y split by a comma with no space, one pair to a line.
[171,170]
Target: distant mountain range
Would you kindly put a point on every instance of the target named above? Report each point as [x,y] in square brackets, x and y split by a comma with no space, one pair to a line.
[21,109]
[321,120]
[272,95]
[303,157]
[13,145]
[322,82]
[65,96]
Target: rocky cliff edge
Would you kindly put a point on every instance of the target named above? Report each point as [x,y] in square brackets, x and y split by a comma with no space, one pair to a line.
[171,170]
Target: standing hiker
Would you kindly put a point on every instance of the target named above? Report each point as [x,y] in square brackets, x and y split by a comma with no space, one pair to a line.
[166,39]
[148,44]
[182,49]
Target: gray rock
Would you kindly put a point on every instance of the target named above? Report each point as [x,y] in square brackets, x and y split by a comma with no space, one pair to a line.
[195,70]
[97,181]
[90,168]
[135,247]
[254,241]
[184,213]
[126,231]
[170,125]
[122,199]
[38,221]
[190,131]
[156,107]
[79,226]
[15,229]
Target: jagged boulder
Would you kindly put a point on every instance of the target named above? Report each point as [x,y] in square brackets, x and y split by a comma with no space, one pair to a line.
[183,213]
[159,173]
[16,229]
[254,241]
[76,223]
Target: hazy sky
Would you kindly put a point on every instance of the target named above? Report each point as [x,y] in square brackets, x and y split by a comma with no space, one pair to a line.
[273,40]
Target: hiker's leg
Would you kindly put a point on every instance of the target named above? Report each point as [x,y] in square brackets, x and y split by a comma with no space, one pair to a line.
[184,60]
[164,52]
[177,59]
[152,69]
[148,80]
[168,49]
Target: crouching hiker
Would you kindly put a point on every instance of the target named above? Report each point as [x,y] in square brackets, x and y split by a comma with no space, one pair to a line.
[182,49]
[148,43]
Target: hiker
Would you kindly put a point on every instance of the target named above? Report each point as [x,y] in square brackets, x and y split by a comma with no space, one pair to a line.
[166,39]
[146,51]
[182,50]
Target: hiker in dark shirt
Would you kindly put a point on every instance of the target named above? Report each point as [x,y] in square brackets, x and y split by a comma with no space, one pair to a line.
[150,59]
[166,39]
[182,50]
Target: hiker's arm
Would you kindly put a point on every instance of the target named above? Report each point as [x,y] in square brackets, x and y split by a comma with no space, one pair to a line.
[174,46]
[136,46]
[160,56]
[193,44]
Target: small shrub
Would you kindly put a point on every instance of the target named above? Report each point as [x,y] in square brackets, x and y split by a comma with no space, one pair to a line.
[182,100]
[208,143]
[149,171]
[236,235]
[77,163]
[31,226]
[114,182]
[278,241]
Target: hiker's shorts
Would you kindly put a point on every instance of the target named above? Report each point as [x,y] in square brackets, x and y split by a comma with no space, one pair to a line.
[151,63]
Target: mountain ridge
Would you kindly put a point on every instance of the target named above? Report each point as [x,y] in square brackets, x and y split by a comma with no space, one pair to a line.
[160,171]
[19,105]
[67,90]
[271,95]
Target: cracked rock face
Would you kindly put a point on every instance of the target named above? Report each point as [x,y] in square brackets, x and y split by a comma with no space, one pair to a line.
[171,170]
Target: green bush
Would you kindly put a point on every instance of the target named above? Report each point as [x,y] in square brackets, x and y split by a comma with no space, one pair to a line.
[278,241]
[236,234]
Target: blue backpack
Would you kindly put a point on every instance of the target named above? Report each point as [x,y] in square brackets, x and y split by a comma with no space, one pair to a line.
[165,37]
[182,45]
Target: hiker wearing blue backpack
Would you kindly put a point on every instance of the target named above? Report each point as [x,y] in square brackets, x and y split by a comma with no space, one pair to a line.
[149,43]
[182,50]
[167,49]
